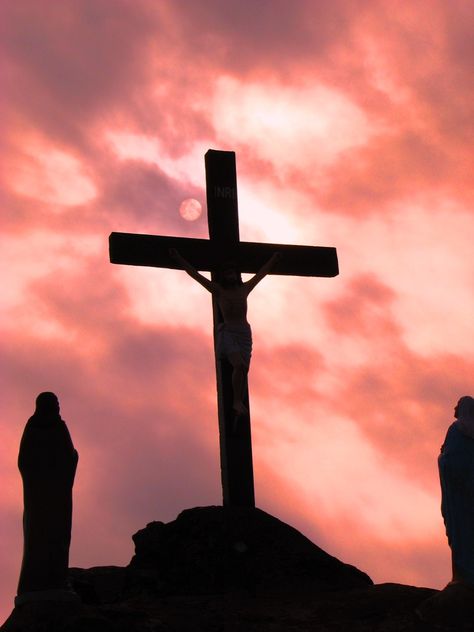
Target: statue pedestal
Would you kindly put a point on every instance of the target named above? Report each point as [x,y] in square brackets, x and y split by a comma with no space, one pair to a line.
[57,595]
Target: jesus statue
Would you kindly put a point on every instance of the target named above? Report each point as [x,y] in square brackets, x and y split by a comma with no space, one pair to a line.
[234,335]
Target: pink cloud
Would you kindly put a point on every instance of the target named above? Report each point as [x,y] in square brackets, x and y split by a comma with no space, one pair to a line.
[396,391]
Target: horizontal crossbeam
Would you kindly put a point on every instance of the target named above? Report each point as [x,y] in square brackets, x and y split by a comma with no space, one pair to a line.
[204,255]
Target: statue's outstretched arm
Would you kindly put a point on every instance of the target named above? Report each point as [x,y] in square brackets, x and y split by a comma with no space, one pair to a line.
[191,270]
[264,270]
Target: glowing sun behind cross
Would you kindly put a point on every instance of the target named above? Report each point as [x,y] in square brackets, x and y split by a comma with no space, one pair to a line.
[190,209]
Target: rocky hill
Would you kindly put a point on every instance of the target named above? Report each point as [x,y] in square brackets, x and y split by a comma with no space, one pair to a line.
[215,569]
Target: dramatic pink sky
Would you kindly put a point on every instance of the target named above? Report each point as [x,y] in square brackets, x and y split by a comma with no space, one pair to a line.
[353,126]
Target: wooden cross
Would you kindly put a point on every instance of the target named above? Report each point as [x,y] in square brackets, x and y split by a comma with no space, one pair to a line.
[206,255]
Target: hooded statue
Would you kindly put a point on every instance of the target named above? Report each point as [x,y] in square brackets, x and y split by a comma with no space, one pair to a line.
[47,462]
[456,470]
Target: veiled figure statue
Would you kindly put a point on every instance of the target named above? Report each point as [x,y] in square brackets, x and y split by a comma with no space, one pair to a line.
[47,463]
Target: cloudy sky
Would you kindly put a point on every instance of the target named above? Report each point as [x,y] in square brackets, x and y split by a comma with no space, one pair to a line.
[352,125]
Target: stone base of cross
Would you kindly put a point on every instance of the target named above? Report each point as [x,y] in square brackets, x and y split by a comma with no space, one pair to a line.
[206,255]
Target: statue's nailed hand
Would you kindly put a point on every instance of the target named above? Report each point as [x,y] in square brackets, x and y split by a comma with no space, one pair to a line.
[275,258]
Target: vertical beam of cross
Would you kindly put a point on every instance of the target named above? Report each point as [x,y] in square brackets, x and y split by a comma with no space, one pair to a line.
[235,443]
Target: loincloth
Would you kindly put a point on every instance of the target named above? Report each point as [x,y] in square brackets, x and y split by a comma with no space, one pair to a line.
[234,339]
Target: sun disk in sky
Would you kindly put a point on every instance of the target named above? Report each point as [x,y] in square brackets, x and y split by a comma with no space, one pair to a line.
[190,209]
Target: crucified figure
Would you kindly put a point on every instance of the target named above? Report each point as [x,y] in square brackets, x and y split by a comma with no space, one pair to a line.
[234,336]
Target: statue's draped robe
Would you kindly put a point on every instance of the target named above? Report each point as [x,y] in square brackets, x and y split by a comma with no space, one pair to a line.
[456,469]
[47,462]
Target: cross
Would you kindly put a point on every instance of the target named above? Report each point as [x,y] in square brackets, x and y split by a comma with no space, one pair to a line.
[206,255]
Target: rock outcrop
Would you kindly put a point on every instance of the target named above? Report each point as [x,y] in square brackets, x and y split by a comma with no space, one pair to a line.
[215,549]
[217,569]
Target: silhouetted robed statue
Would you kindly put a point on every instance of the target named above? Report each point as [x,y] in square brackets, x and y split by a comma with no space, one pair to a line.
[455,603]
[47,463]
[456,469]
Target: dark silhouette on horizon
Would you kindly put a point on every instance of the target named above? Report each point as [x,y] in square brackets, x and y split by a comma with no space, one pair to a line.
[456,472]
[210,255]
[47,462]
[234,334]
